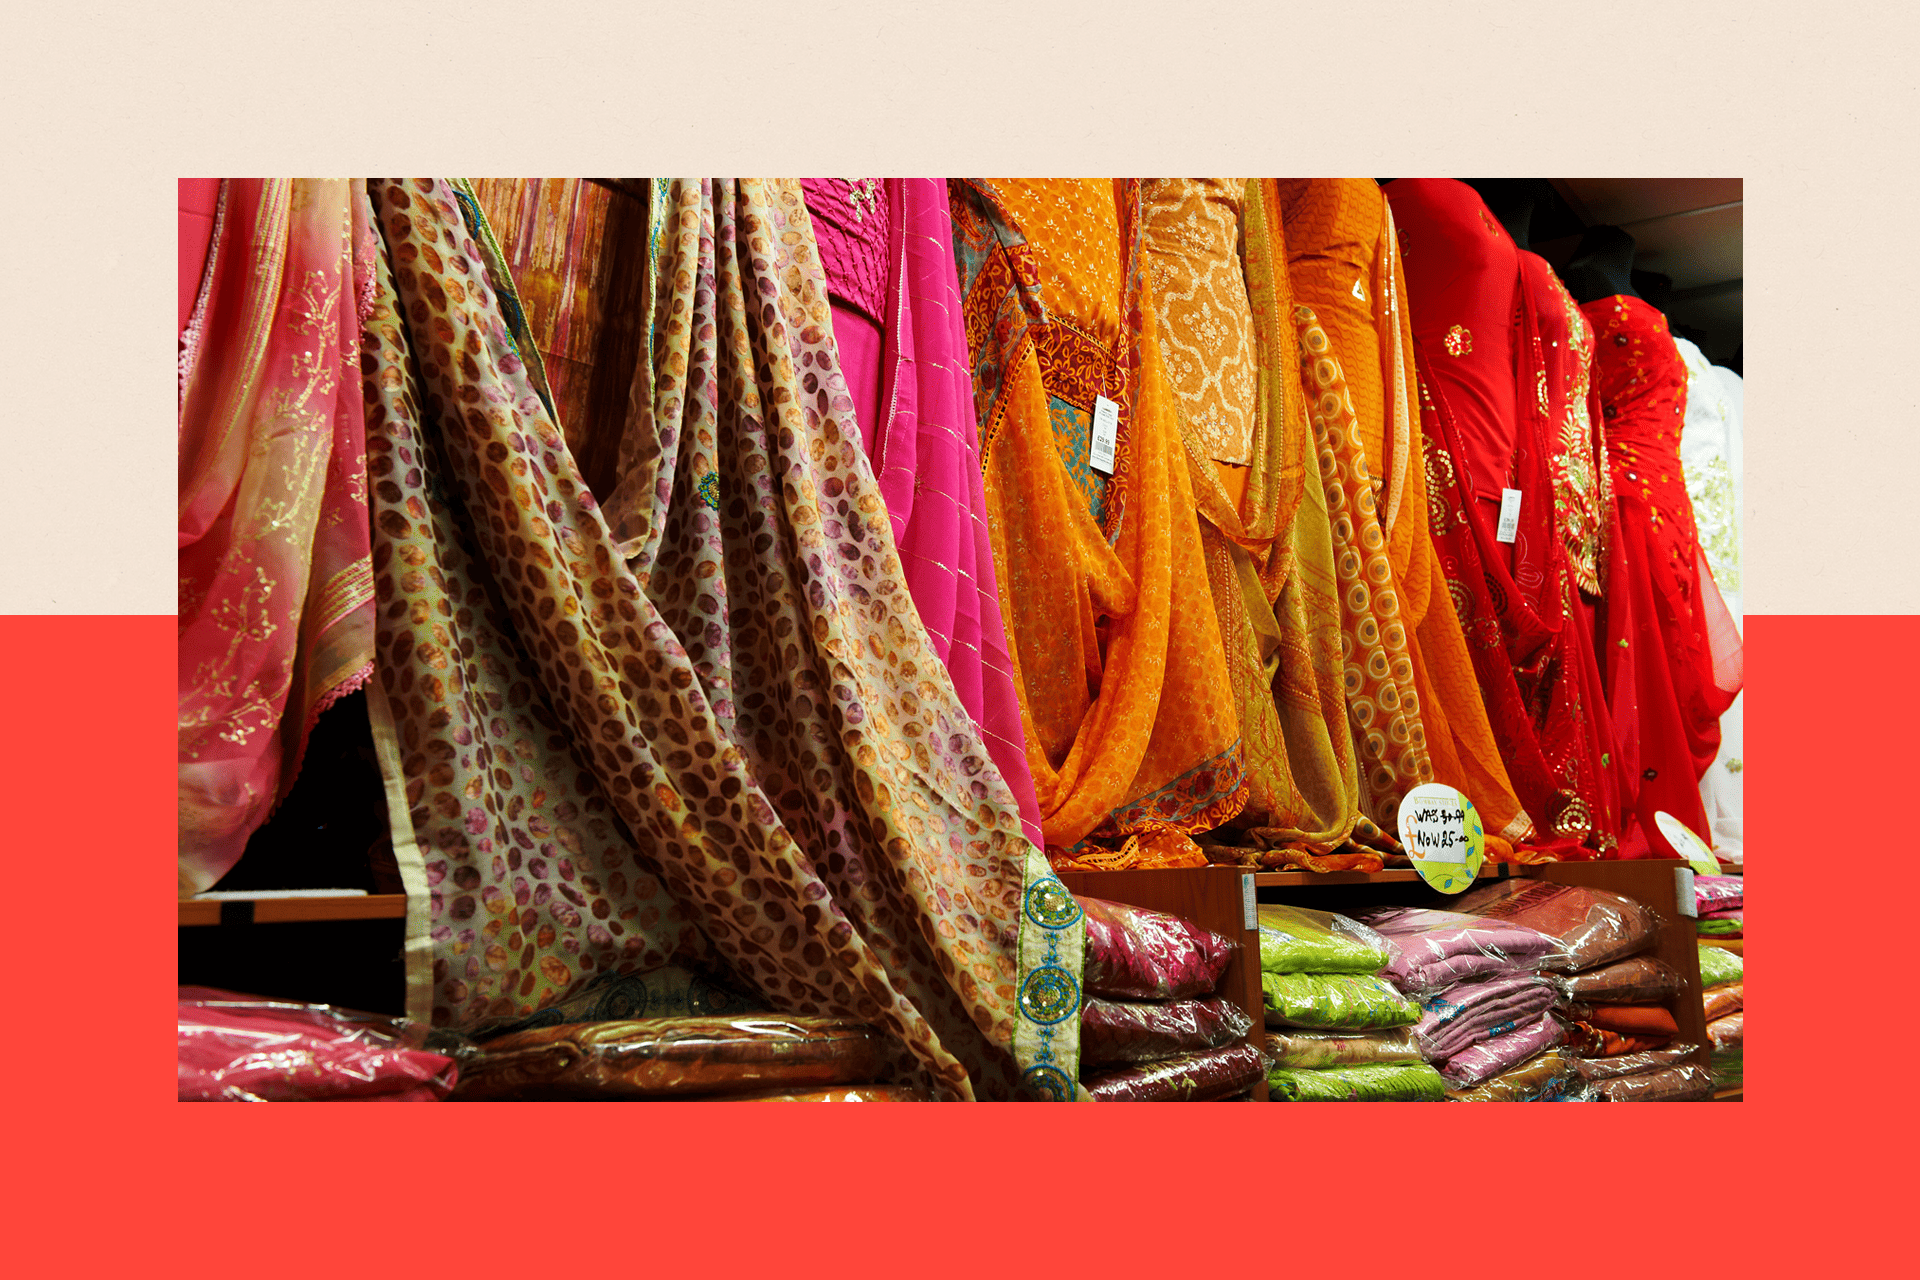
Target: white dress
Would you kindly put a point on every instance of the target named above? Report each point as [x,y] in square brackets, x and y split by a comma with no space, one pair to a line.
[1711,459]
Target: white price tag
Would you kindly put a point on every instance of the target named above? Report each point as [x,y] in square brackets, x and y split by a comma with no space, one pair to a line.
[1509,515]
[1442,835]
[1683,899]
[1106,435]
[1249,905]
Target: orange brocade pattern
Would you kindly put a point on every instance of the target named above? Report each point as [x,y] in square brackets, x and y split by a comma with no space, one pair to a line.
[1124,695]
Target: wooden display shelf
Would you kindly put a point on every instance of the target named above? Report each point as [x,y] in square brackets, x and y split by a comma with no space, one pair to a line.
[367,906]
[1735,945]
[1394,875]
[1728,1095]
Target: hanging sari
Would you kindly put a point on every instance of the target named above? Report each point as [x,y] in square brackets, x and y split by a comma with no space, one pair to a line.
[1684,648]
[1344,263]
[589,770]
[1125,701]
[1222,309]
[887,248]
[276,598]
[1491,379]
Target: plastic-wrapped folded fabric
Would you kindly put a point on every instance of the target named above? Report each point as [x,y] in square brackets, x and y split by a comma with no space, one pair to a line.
[1299,940]
[1592,926]
[1193,1077]
[673,1057]
[1590,1041]
[1381,1082]
[1722,1001]
[1487,1058]
[669,992]
[1137,954]
[1113,1031]
[1729,1068]
[841,1093]
[1434,949]
[1626,1019]
[1722,924]
[1315,1049]
[1719,966]
[1688,1082]
[1630,1064]
[239,1048]
[1635,980]
[1451,1020]
[1545,1077]
[1718,893]
[1728,1032]
[1335,1001]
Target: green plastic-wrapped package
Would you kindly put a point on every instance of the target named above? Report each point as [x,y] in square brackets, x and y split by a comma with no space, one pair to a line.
[1300,940]
[1335,1001]
[1387,1082]
[1719,966]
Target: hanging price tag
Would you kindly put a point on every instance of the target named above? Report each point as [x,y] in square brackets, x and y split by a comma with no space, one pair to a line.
[1106,435]
[1686,844]
[1509,515]
[1443,836]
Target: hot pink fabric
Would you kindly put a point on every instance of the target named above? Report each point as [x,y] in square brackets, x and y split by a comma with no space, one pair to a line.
[923,439]
[234,1048]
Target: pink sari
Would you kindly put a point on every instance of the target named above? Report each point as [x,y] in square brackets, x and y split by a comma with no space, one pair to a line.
[276,585]
[923,440]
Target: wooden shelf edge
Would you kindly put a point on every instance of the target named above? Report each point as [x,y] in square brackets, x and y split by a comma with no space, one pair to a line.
[373,906]
[1735,945]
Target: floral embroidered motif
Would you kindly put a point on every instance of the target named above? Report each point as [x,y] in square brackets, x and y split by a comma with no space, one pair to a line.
[1459,341]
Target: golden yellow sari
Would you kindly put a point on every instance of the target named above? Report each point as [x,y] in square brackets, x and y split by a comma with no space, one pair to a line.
[1344,265]
[1223,308]
[1129,713]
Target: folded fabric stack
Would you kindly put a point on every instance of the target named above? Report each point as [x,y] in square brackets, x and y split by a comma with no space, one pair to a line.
[1720,902]
[1484,1007]
[1723,974]
[1339,1031]
[1152,1028]
[238,1048]
[676,1058]
[1614,995]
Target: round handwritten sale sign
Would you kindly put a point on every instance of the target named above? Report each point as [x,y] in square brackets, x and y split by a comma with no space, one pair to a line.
[1443,836]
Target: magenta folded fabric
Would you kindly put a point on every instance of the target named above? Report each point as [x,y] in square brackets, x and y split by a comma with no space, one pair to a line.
[1719,893]
[1487,1059]
[1468,1012]
[1435,949]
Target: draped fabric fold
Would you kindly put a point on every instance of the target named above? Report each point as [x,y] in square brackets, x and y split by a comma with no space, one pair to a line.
[1500,399]
[276,598]
[715,728]
[1344,262]
[1223,310]
[1663,608]
[1127,709]
[914,397]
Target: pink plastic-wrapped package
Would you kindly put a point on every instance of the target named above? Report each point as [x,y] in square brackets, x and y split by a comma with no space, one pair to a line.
[1137,954]
[1633,1064]
[1592,926]
[1468,1012]
[1193,1077]
[1488,1058]
[1688,1082]
[1718,893]
[1434,949]
[1115,1031]
[236,1048]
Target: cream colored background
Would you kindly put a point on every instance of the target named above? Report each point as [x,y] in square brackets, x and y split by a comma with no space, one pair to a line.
[1814,107]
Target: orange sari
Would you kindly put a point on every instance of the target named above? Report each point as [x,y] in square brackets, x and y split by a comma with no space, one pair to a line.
[1129,714]
[1344,265]
[1223,307]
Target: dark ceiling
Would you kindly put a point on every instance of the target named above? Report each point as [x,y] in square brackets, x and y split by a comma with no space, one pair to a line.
[1687,234]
